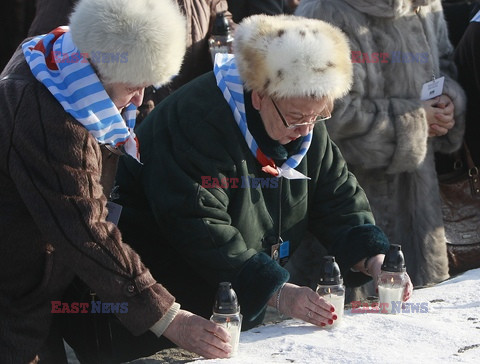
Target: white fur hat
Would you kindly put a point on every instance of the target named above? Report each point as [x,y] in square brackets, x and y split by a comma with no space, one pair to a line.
[138,42]
[291,56]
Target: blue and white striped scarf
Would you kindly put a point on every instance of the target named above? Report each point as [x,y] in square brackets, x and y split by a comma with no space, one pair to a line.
[231,85]
[476,18]
[56,62]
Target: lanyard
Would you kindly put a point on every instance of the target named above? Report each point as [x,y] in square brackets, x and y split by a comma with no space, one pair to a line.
[280,251]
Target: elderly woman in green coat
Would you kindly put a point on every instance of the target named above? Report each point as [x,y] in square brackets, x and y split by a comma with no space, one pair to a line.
[239,169]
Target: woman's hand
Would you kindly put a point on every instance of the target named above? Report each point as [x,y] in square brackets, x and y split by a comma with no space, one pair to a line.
[439,112]
[198,335]
[374,266]
[304,304]
[407,293]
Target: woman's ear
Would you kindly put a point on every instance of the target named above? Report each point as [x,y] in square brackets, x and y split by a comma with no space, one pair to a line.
[330,104]
[256,100]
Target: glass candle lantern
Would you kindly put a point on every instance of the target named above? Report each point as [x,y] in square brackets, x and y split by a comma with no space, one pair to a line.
[392,280]
[331,288]
[226,312]
[221,38]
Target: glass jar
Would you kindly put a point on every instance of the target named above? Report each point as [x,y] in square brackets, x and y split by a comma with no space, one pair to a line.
[392,281]
[226,312]
[221,38]
[331,287]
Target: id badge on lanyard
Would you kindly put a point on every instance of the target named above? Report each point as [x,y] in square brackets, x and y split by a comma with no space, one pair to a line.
[280,251]
[432,89]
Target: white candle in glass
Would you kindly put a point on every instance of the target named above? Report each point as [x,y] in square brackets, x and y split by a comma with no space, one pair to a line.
[389,295]
[338,301]
[234,329]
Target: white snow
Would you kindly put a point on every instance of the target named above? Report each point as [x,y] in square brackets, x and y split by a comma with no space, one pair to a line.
[448,333]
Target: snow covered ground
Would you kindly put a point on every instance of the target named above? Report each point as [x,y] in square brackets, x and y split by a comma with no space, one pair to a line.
[448,333]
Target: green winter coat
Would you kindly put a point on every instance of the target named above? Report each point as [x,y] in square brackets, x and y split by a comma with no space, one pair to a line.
[225,232]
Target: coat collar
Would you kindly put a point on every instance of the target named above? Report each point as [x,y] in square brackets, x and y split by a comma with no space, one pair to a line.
[386,8]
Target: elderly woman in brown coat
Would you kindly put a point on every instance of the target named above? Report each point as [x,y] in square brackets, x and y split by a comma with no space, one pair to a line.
[67,110]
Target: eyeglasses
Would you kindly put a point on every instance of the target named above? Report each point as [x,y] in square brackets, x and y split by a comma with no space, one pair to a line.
[316,118]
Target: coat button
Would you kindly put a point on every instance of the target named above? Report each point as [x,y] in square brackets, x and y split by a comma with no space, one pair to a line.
[130,288]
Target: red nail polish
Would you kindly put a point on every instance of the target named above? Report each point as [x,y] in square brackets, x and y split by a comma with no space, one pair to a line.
[323,324]
[334,317]
[332,309]
[330,322]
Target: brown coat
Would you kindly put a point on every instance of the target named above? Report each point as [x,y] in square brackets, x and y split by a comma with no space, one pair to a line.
[52,221]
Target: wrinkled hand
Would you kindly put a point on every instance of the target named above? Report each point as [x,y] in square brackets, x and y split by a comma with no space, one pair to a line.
[198,335]
[407,293]
[305,304]
[439,113]
[375,266]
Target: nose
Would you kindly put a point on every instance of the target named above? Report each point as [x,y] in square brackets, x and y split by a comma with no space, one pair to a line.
[137,98]
[304,129]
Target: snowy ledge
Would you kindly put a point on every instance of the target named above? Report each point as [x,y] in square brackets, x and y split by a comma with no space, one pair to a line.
[448,332]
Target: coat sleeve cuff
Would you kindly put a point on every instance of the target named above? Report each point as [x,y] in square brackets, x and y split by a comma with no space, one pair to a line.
[161,325]
[411,134]
[258,280]
[361,242]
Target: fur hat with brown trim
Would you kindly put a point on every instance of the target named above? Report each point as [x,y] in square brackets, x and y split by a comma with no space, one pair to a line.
[138,42]
[291,56]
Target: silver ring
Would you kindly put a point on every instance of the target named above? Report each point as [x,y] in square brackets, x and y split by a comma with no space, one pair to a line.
[309,314]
